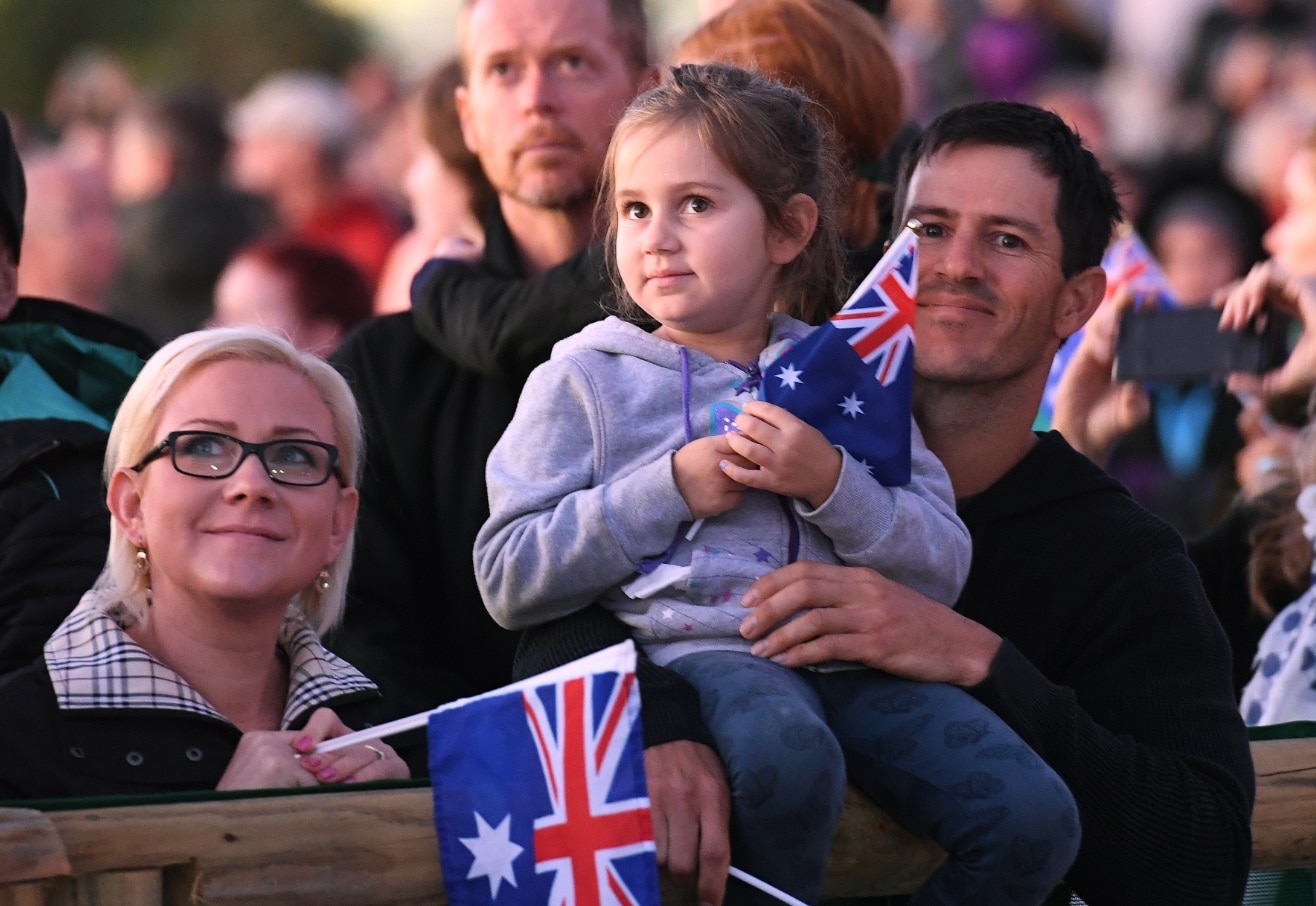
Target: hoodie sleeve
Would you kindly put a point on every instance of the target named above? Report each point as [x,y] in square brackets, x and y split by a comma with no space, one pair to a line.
[557,538]
[910,534]
[502,326]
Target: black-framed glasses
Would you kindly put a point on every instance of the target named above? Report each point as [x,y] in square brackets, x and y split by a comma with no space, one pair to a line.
[210,454]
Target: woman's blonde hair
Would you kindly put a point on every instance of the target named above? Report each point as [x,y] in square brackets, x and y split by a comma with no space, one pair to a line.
[135,427]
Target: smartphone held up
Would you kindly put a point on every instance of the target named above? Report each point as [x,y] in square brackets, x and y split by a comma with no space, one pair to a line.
[1186,345]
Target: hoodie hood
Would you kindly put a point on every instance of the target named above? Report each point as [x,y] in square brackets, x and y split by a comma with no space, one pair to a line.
[617,337]
[1052,472]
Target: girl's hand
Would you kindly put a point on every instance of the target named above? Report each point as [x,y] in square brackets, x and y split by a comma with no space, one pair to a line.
[786,455]
[697,468]
[281,758]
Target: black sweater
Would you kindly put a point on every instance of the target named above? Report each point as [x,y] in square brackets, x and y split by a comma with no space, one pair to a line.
[1115,670]
[436,392]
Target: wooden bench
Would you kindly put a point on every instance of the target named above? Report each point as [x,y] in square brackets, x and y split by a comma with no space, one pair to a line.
[377,846]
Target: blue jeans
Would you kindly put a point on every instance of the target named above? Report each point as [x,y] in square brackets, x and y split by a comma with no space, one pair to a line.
[935,758]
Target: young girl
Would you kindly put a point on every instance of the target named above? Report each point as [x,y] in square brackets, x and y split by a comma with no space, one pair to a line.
[722,220]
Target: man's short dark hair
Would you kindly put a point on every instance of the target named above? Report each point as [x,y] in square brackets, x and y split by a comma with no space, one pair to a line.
[1087,208]
[190,122]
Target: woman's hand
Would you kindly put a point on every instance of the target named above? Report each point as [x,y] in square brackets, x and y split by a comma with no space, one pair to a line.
[1268,288]
[1091,410]
[282,758]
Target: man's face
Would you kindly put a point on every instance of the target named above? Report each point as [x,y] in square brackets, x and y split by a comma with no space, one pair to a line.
[990,282]
[547,81]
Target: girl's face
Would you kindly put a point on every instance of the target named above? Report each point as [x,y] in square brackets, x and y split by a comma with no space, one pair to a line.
[694,247]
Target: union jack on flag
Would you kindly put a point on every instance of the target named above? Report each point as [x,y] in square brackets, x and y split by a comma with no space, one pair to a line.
[852,378]
[539,791]
[880,313]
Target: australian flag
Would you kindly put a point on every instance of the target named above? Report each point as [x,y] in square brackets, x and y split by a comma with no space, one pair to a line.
[852,378]
[539,791]
[1127,262]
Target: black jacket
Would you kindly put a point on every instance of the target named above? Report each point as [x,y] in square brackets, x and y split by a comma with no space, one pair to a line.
[127,751]
[434,403]
[54,528]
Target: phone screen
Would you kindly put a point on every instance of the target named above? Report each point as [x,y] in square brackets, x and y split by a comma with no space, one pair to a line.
[1186,344]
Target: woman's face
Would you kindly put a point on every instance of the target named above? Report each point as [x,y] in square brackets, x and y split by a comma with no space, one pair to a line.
[439,196]
[1292,240]
[249,291]
[1197,257]
[244,540]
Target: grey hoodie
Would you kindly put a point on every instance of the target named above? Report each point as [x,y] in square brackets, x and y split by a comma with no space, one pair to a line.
[583,502]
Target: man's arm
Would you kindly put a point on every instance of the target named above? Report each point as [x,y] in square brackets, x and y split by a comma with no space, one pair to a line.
[500,325]
[1142,727]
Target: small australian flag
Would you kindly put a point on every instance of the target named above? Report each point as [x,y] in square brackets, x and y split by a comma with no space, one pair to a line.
[852,378]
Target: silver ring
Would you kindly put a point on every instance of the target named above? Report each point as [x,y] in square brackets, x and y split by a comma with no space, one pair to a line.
[379,755]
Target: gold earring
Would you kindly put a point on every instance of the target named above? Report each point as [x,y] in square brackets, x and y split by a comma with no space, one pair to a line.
[322,581]
[141,563]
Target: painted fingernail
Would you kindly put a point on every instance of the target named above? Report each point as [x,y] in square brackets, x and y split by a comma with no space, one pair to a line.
[327,774]
[313,763]
[303,742]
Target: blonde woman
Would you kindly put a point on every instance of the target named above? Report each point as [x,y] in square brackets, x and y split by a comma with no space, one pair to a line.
[195,661]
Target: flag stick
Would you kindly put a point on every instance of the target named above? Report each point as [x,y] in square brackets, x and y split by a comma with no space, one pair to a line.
[621,655]
[764,886]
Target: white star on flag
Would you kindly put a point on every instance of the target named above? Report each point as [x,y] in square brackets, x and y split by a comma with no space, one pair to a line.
[790,377]
[494,853]
[852,405]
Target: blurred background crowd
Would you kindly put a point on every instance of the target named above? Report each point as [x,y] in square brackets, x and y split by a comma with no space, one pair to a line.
[292,163]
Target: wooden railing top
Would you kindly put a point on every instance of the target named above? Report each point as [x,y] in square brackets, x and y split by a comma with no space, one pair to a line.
[378,846]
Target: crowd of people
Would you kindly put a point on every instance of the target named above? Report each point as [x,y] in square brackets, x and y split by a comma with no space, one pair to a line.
[445,326]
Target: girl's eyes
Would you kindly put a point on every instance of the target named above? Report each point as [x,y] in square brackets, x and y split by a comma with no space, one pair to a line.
[638,210]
